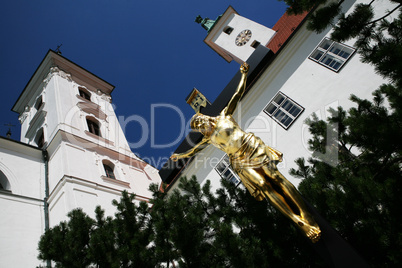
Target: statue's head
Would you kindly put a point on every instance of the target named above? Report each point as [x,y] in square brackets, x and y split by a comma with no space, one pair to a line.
[201,123]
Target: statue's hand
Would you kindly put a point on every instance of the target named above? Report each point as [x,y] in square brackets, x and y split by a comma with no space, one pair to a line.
[244,68]
[174,157]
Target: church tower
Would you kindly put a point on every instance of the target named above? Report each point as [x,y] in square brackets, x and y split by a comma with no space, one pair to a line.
[67,111]
[235,37]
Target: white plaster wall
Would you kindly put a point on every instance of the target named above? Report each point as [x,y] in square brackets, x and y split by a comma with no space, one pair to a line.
[21,214]
[25,172]
[77,180]
[21,225]
[260,33]
[28,114]
[79,194]
[87,164]
[24,128]
[58,165]
[76,193]
[52,107]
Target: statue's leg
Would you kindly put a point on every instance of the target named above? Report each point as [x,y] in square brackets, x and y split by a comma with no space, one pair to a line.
[294,200]
[257,177]
[287,189]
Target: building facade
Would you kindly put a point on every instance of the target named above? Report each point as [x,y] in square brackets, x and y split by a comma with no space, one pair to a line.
[296,74]
[72,154]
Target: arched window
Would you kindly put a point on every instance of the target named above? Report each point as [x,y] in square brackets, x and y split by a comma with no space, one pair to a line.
[40,138]
[109,169]
[38,103]
[4,184]
[84,93]
[93,126]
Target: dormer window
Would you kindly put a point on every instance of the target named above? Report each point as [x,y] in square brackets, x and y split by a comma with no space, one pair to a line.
[84,93]
[93,126]
[109,169]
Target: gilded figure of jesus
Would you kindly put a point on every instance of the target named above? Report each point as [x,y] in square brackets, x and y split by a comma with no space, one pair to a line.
[253,161]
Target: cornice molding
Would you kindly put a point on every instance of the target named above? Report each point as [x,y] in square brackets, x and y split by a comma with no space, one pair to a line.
[92,108]
[55,70]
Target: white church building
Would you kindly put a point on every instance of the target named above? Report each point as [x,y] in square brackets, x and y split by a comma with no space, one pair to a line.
[294,73]
[72,154]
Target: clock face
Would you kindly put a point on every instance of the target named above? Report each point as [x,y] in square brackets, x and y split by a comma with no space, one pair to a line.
[243,37]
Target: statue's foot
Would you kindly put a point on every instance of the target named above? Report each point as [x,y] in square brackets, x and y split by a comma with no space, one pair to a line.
[311,231]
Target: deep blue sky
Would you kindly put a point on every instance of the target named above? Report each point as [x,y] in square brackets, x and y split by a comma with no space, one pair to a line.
[151,51]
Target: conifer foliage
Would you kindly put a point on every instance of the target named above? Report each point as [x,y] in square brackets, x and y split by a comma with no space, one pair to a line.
[191,228]
[360,196]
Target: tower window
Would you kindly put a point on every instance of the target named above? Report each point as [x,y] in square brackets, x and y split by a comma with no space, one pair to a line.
[283,110]
[109,167]
[38,103]
[40,138]
[255,44]
[84,93]
[224,170]
[228,30]
[93,126]
[332,54]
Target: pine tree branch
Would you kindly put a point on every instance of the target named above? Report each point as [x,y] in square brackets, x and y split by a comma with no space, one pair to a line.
[383,17]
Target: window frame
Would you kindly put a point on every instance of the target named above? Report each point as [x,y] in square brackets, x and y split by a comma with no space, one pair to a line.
[109,167]
[4,182]
[279,108]
[325,48]
[91,122]
[255,44]
[83,91]
[39,103]
[40,138]
[228,30]
[233,177]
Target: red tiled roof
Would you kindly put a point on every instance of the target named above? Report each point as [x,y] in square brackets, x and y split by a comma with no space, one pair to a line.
[284,28]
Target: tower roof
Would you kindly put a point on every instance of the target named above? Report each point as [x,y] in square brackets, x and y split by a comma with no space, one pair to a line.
[53,59]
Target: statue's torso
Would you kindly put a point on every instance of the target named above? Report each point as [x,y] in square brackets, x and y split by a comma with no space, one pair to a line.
[227,135]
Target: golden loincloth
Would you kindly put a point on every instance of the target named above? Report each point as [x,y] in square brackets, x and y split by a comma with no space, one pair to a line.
[253,154]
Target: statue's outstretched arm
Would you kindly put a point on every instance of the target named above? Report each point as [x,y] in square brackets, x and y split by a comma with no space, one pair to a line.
[229,110]
[198,147]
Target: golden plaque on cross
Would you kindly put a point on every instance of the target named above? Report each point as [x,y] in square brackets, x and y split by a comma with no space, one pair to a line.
[197,100]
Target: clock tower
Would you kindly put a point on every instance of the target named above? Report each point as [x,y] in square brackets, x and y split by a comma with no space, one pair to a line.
[234,37]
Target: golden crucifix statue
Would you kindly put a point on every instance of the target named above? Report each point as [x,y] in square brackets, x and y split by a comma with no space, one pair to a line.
[253,161]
